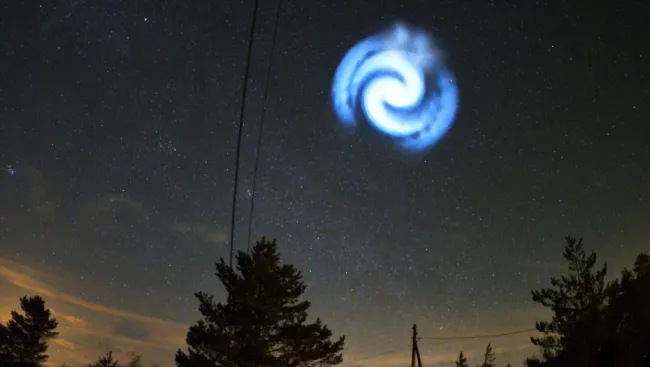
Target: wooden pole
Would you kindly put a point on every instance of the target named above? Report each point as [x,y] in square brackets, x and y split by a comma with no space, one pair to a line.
[414,345]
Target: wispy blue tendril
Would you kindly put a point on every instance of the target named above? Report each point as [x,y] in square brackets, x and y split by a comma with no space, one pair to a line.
[398,82]
[10,170]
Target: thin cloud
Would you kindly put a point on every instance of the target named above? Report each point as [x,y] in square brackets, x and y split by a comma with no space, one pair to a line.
[65,343]
[502,350]
[37,194]
[28,271]
[29,283]
[113,311]
[204,232]
[83,339]
[543,265]
[72,320]
[108,204]
[112,201]
[25,281]
[120,339]
[399,359]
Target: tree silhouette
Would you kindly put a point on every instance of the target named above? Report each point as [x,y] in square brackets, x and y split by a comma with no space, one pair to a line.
[106,361]
[20,364]
[136,361]
[263,322]
[595,324]
[25,336]
[5,353]
[627,320]
[488,357]
[462,361]
[577,302]
[533,362]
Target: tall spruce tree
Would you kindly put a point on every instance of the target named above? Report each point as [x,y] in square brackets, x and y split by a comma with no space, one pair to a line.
[25,336]
[106,361]
[462,361]
[264,320]
[577,301]
[489,358]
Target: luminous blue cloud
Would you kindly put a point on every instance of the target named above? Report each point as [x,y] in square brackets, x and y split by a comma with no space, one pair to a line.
[396,81]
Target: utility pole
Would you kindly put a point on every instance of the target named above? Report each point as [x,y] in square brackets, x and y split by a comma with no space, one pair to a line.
[414,344]
[415,351]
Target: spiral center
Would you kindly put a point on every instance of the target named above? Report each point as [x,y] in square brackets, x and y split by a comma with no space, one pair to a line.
[387,76]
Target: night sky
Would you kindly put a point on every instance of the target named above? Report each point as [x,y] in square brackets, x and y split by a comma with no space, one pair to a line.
[118,138]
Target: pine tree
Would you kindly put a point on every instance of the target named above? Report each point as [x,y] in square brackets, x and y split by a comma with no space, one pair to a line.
[489,357]
[627,321]
[462,361]
[577,301]
[25,337]
[264,321]
[106,361]
[5,352]
[136,361]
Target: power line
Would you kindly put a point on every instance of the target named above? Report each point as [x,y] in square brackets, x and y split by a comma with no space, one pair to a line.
[241,125]
[259,139]
[444,340]
[465,337]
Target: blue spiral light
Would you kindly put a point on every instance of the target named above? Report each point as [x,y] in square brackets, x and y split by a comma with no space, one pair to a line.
[397,81]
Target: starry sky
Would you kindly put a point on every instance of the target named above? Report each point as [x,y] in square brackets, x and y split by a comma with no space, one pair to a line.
[118,139]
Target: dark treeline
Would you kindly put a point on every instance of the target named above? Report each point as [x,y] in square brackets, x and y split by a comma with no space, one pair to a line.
[264,320]
[595,323]
[489,358]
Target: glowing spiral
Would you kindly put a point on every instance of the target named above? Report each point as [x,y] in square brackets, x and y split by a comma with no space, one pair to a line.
[398,82]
